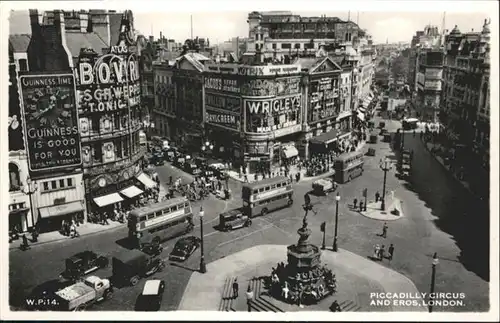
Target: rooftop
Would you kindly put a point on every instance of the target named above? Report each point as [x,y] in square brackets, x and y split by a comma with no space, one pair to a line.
[19,42]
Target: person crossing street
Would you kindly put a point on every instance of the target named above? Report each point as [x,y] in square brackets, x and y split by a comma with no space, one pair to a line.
[236,288]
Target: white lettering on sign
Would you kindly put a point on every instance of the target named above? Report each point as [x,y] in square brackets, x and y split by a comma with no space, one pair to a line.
[252,70]
[163,218]
[122,70]
[221,118]
[273,106]
[270,193]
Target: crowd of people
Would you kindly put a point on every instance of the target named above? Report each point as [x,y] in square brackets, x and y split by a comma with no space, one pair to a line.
[299,288]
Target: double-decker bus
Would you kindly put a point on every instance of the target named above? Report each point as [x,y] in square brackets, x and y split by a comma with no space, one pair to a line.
[348,166]
[267,195]
[160,221]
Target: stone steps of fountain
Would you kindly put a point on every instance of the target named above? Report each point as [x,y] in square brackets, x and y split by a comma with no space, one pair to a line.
[261,304]
[349,306]
[227,295]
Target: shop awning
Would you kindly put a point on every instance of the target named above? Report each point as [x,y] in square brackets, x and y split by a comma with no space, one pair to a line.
[290,152]
[18,211]
[131,191]
[146,180]
[108,199]
[361,109]
[61,209]
[361,116]
[325,138]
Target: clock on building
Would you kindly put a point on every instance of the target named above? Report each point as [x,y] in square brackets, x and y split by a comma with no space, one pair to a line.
[102,182]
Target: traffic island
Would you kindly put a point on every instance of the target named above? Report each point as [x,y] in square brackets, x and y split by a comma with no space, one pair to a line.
[392,212]
[357,278]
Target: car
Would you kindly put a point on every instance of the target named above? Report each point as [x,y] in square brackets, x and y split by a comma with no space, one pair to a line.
[152,249]
[185,247]
[233,219]
[151,296]
[83,263]
[324,186]
[132,265]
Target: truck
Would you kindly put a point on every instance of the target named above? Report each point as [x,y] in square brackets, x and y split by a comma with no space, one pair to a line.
[324,186]
[133,265]
[79,296]
[83,263]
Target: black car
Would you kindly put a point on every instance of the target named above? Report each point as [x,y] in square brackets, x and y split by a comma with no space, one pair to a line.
[152,249]
[132,265]
[151,297]
[83,263]
[184,248]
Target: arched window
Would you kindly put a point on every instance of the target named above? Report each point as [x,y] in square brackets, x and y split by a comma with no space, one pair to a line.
[15,182]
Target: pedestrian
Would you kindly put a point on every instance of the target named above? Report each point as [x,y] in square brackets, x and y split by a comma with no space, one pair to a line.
[376,251]
[391,251]
[335,307]
[249,296]
[236,288]
[414,133]
[246,178]
[106,219]
[384,230]
[361,206]
[382,252]
[355,203]
[25,244]
[377,196]
[34,234]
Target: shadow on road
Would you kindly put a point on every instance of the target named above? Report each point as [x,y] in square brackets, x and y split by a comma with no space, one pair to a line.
[175,264]
[125,243]
[457,212]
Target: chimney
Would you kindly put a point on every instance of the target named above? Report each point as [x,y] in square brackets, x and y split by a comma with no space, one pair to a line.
[34,58]
[161,37]
[100,25]
[151,39]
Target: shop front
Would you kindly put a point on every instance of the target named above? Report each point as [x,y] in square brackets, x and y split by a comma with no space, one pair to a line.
[18,217]
[51,217]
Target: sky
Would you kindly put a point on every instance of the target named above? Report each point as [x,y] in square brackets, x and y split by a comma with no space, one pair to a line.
[220,23]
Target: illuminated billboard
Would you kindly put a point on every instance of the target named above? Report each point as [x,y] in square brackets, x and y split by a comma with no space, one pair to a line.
[50,119]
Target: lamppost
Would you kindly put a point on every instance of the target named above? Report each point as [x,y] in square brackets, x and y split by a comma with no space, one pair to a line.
[403,134]
[203,267]
[207,147]
[435,262]
[29,190]
[385,165]
[337,200]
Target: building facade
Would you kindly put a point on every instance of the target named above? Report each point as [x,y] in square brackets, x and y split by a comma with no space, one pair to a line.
[429,75]
[281,34]
[466,103]
[163,111]
[98,49]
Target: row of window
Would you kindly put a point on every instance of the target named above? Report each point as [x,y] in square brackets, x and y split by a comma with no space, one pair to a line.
[167,225]
[165,211]
[274,198]
[270,187]
[53,185]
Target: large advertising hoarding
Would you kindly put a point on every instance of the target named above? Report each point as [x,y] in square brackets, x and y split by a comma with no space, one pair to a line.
[276,114]
[267,87]
[249,70]
[50,120]
[223,111]
[323,99]
[219,84]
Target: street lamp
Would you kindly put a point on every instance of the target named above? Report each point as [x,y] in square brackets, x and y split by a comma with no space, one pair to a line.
[29,190]
[385,166]
[403,134]
[337,200]
[435,262]
[203,267]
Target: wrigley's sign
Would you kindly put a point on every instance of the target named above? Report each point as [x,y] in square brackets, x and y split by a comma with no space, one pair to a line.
[273,106]
[248,70]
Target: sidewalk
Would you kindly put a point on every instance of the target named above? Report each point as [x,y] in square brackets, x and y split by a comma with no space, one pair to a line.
[84,229]
[374,210]
[204,292]
[465,184]
[293,170]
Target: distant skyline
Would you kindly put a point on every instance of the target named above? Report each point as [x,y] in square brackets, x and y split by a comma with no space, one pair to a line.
[220,26]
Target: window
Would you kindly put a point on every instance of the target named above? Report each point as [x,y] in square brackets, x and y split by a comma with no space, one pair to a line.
[23,65]
[70,182]
[151,216]
[142,218]
[297,46]
[45,186]
[286,46]
[159,213]
[274,46]
[53,185]
[15,182]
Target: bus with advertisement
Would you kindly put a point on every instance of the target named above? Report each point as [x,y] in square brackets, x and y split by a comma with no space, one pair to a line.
[161,221]
[348,167]
[267,195]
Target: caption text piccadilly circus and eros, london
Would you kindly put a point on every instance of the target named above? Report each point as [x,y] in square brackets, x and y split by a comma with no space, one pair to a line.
[418,299]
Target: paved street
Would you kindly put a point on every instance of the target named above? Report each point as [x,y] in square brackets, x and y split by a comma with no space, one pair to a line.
[438,218]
